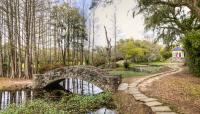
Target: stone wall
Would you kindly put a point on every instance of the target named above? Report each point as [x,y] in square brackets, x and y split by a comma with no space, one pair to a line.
[99,77]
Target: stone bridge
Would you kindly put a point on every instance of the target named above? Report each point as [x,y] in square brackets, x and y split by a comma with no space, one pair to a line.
[94,75]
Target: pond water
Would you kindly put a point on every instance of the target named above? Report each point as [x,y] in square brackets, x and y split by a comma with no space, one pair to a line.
[103,111]
[76,86]
[16,97]
[146,68]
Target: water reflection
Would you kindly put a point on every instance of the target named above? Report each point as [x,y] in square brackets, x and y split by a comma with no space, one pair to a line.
[14,97]
[103,111]
[73,85]
[80,87]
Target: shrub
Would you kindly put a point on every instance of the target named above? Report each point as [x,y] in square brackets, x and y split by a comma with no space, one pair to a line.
[126,64]
[35,107]
[69,104]
[84,104]
[166,53]
[87,61]
[192,47]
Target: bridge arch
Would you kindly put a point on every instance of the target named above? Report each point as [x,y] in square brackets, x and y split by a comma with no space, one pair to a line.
[96,76]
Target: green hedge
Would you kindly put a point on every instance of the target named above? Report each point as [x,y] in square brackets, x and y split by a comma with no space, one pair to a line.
[192,47]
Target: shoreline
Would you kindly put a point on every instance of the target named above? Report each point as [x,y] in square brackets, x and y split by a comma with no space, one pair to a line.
[7,84]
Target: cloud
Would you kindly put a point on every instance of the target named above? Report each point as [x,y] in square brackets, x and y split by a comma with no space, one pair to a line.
[127,25]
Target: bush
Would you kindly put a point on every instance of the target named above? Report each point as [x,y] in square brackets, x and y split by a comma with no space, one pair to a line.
[87,61]
[126,64]
[84,104]
[192,47]
[69,104]
[35,107]
[166,53]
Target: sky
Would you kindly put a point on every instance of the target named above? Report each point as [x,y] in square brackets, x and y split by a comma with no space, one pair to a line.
[127,26]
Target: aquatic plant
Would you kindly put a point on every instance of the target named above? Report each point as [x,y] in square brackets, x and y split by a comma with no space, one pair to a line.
[69,104]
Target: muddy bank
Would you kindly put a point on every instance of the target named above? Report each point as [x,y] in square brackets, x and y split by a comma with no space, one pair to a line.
[15,84]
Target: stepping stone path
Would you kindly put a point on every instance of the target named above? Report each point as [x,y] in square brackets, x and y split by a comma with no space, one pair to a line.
[161,109]
[153,103]
[133,89]
[123,86]
[165,113]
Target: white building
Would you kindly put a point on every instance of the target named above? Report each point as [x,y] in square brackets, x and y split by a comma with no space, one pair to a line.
[178,54]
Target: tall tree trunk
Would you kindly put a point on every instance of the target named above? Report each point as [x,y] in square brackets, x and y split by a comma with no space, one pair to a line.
[27,42]
[1,54]
[115,35]
[89,41]
[108,49]
[1,57]
[93,25]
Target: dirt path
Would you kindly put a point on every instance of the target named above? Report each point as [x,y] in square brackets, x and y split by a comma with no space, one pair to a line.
[14,84]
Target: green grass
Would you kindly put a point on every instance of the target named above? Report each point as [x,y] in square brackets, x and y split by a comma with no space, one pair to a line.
[126,74]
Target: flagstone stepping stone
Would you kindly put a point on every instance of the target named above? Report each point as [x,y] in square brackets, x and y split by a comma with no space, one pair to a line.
[133,85]
[153,103]
[140,98]
[165,113]
[123,86]
[135,93]
[148,100]
[133,90]
[140,80]
[139,95]
[161,109]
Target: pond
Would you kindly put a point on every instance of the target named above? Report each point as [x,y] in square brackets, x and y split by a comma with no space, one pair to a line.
[147,68]
[75,86]
[16,97]
[103,111]
[78,86]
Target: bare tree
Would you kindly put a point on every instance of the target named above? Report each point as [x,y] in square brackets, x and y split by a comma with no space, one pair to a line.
[109,47]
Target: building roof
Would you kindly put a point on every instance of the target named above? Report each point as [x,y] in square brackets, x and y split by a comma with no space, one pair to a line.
[177,49]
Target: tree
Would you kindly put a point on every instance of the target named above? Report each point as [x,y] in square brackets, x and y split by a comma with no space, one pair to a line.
[175,20]
[127,48]
[139,51]
[193,5]
[93,34]
[31,39]
[109,47]
[192,45]
[115,33]
[166,53]
[169,22]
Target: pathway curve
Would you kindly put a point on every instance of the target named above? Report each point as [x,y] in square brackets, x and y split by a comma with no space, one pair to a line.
[142,83]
